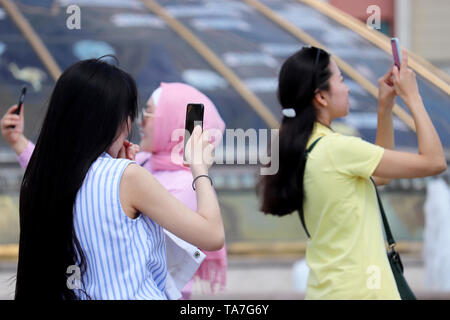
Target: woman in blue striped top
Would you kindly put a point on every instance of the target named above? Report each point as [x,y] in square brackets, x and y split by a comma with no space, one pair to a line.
[91,219]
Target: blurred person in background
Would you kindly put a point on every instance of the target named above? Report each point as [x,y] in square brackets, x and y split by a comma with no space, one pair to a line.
[166,112]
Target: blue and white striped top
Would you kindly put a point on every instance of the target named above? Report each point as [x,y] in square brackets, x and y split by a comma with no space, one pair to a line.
[125,258]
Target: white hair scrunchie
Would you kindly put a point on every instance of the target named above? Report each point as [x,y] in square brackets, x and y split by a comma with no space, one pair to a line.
[289,112]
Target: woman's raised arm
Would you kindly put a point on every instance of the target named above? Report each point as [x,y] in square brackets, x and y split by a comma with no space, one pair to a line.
[430,159]
[143,193]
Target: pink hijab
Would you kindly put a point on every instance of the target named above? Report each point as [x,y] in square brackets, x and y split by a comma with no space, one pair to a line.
[170,114]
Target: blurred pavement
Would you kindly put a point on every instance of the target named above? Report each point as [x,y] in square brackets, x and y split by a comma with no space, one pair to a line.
[258,278]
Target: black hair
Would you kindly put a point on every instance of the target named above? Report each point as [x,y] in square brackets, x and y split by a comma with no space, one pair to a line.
[91,103]
[301,75]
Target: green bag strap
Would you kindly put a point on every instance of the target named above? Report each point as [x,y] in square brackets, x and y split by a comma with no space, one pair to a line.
[312,146]
[387,229]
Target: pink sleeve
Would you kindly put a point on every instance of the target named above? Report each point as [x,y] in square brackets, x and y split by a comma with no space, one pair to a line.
[214,267]
[187,196]
[25,156]
[143,159]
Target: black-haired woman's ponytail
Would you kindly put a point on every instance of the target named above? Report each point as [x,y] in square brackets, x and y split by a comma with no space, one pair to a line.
[282,193]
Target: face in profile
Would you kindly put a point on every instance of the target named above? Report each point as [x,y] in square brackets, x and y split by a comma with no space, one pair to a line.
[338,95]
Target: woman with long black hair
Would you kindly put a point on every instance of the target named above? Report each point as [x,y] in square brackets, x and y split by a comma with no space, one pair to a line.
[328,181]
[84,205]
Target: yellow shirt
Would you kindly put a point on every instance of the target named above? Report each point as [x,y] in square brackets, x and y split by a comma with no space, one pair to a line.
[346,254]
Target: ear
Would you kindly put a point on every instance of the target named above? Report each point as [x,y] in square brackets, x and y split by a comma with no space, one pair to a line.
[320,99]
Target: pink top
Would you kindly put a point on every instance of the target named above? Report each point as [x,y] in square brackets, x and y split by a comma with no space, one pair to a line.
[165,161]
[179,184]
[169,122]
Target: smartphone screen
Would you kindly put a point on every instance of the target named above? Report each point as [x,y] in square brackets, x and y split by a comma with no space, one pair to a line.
[396,53]
[194,117]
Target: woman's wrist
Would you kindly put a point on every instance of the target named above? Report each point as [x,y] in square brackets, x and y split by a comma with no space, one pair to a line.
[412,100]
[385,110]
[199,170]
[386,102]
[416,107]
[20,145]
[202,176]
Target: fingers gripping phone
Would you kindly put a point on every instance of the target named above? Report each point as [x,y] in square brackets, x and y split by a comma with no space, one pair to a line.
[194,117]
[21,100]
[396,52]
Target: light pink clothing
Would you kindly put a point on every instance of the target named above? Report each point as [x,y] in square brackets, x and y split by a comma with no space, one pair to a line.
[170,115]
[179,184]
[25,156]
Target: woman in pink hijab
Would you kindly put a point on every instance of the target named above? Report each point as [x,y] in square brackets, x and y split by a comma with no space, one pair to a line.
[165,115]
[166,112]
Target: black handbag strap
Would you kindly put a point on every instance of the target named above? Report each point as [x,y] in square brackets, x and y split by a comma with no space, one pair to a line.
[387,229]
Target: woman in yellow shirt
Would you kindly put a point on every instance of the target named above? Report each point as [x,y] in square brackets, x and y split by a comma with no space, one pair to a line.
[332,191]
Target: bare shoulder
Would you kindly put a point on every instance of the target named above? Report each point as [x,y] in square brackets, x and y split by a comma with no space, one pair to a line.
[132,170]
[129,183]
[136,178]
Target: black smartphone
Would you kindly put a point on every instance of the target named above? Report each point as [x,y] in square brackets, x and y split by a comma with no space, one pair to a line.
[21,99]
[194,117]
[20,103]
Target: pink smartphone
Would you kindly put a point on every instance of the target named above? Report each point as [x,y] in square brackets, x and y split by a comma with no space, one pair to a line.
[396,52]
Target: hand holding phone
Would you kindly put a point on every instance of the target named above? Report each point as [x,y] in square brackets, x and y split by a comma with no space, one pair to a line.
[20,103]
[396,52]
[12,126]
[405,82]
[23,92]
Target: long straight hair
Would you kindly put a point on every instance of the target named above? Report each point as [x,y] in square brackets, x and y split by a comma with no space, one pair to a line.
[300,76]
[90,105]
